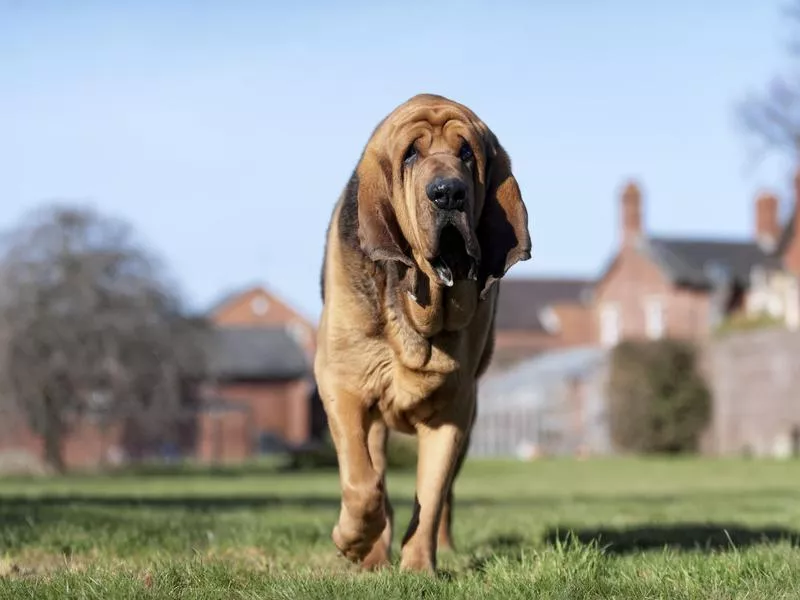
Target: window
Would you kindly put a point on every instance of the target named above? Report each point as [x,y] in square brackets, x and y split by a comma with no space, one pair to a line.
[717,272]
[259,305]
[609,325]
[654,318]
[549,320]
[299,332]
[758,277]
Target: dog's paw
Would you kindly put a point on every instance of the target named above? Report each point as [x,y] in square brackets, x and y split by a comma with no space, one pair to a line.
[418,562]
[379,557]
[355,537]
[361,520]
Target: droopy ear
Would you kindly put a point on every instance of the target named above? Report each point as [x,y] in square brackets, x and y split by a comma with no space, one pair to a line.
[503,225]
[378,230]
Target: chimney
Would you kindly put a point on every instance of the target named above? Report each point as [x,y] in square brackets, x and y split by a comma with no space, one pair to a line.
[631,214]
[767,226]
[795,214]
[791,254]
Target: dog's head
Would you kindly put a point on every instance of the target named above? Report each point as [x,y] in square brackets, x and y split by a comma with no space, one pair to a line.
[436,192]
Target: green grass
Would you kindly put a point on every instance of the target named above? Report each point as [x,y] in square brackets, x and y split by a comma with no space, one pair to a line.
[640,529]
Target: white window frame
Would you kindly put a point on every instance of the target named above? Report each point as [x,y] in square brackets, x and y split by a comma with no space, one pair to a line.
[260,305]
[299,332]
[610,324]
[654,324]
[758,277]
[549,320]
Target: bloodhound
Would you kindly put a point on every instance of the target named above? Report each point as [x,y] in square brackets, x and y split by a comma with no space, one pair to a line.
[430,220]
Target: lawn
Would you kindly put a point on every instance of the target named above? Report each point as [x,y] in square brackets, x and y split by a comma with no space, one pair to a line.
[640,529]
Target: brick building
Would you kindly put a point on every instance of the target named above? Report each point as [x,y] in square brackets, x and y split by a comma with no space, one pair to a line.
[654,286]
[259,395]
[659,286]
[260,378]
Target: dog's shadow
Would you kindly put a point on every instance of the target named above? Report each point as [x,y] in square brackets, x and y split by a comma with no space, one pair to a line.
[703,537]
[685,537]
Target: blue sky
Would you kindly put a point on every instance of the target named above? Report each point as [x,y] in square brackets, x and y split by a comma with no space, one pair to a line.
[225,131]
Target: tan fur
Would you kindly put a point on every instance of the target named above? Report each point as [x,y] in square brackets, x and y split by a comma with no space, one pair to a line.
[396,348]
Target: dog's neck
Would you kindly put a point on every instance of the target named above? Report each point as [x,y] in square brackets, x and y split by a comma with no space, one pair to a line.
[426,317]
[431,306]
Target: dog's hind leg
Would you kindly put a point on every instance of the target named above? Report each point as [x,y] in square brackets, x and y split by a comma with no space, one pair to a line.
[445,535]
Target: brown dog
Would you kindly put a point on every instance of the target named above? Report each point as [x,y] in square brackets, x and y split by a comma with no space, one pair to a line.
[430,220]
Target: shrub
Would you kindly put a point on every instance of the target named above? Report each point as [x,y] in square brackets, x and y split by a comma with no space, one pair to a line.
[402,451]
[743,322]
[316,456]
[658,400]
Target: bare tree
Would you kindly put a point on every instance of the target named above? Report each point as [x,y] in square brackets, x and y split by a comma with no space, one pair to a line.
[771,118]
[89,323]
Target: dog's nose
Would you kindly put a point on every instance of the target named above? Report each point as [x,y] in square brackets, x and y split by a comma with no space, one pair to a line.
[447,194]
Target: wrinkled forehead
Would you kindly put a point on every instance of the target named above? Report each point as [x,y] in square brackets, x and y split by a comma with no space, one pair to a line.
[434,123]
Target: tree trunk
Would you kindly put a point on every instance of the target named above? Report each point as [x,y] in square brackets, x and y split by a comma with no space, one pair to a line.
[53,434]
[52,451]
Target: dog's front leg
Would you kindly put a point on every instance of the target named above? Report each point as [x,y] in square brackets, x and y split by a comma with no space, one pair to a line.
[380,555]
[362,518]
[440,444]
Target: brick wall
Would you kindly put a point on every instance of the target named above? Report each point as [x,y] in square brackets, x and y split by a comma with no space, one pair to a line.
[86,445]
[91,446]
[15,435]
[755,380]
[282,408]
[224,436]
[577,324]
[632,280]
[791,254]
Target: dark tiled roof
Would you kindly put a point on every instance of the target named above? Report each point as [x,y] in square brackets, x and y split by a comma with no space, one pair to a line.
[222,405]
[261,353]
[699,262]
[521,301]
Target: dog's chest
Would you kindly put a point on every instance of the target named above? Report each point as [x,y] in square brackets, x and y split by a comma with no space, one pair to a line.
[421,375]
[413,397]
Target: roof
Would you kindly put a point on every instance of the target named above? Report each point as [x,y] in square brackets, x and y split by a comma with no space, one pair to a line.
[699,262]
[222,405]
[521,301]
[261,353]
[528,383]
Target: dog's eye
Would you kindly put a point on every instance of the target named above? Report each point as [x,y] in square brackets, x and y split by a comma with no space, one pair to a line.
[466,152]
[410,154]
